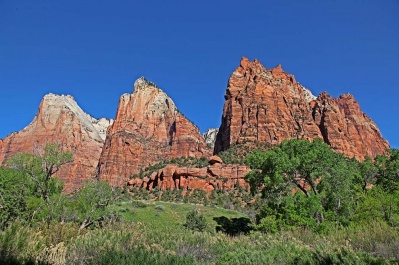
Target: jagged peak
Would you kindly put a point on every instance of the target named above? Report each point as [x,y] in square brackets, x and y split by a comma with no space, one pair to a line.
[244,63]
[142,83]
[278,69]
[52,95]
[347,95]
[308,94]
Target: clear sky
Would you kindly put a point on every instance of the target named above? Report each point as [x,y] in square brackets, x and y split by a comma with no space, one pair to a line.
[95,50]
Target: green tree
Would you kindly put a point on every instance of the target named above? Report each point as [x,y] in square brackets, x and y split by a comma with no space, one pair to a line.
[195,221]
[378,205]
[388,170]
[41,168]
[14,193]
[90,204]
[322,176]
[368,172]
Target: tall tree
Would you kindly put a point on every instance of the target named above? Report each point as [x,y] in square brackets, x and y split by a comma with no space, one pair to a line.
[13,196]
[41,168]
[308,167]
[388,170]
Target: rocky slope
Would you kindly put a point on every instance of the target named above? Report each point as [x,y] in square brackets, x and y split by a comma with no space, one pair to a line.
[61,120]
[215,176]
[148,128]
[269,106]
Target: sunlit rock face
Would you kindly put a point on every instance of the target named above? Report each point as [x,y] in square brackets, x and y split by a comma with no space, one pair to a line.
[216,176]
[60,120]
[210,137]
[346,128]
[269,106]
[148,128]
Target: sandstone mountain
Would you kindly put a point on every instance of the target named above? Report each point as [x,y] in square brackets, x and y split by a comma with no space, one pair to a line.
[148,128]
[262,106]
[269,106]
[61,120]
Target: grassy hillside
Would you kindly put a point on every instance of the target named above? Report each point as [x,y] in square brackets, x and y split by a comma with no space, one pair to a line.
[150,232]
[171,214]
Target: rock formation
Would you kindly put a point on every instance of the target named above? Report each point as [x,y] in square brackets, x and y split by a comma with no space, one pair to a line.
[346,128]
[60,120]
[214,176]
[148,128]
[210,137]
[270,106]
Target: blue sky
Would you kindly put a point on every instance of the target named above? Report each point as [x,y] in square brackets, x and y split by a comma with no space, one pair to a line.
[94,50]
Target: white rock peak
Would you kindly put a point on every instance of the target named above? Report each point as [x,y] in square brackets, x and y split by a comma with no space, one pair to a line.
[160,102]
[308,94]
[210,135]
[96,128]
[142,83]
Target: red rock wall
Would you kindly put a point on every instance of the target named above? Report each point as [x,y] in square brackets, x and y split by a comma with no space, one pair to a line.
[346,128]
[209,178]
[269,106]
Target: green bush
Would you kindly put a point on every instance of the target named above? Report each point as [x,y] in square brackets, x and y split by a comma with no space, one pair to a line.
[195,221]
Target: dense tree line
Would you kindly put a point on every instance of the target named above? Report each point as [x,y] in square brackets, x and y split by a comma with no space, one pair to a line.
[306,184]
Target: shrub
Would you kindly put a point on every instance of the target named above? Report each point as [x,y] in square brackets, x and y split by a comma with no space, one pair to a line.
[139,204]
[195,221]
[159,207]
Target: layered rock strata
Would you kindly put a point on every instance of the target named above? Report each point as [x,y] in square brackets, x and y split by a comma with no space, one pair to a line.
[148,128]
[60,120]
[270,106]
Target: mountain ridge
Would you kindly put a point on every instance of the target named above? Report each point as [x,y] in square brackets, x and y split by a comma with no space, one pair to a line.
[261,105]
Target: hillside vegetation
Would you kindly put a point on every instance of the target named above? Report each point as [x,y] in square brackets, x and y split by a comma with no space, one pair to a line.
[308,205]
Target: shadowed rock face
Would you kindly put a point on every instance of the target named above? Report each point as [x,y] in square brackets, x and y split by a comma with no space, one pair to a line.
[148,128]
[269,106]
[61,120]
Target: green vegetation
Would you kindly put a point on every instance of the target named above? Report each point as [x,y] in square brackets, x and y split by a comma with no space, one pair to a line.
[312,206]
[195,221]
[236,154]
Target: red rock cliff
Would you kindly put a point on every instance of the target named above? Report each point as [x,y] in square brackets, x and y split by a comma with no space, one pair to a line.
[61,120]
[215,176]
[269,106]
[148,128]
[346,128]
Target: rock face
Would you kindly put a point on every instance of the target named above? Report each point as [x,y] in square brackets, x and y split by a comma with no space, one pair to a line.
[148,128]
[214,176]
[269,106]
[210,137]
[61,120]
[346,128]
